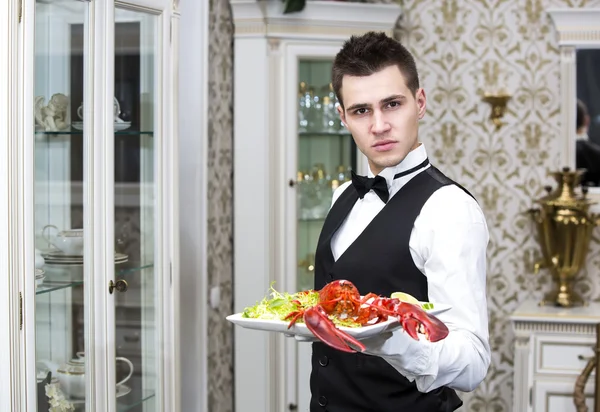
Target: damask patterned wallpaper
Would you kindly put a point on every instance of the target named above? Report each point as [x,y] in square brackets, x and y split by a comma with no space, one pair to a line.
[461,47]
[220,205]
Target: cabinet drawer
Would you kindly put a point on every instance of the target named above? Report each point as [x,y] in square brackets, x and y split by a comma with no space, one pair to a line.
[560,354]
[557,395]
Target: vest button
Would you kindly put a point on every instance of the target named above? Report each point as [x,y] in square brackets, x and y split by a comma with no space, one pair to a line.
[322,401]
[324,361]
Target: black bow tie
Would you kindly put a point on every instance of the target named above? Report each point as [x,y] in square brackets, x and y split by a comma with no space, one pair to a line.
[378,184]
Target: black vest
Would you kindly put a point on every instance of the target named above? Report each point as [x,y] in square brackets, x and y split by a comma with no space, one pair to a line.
[378,261]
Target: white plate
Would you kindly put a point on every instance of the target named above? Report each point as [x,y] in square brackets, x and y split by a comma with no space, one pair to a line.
[300,329]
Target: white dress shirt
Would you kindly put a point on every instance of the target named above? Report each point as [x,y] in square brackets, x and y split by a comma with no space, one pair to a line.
[448,245]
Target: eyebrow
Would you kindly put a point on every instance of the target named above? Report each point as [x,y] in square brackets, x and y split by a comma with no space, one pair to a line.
[382,101]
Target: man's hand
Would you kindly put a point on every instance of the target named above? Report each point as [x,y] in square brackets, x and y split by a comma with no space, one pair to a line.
[388,343]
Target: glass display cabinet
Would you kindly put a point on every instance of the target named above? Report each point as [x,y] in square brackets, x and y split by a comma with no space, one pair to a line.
[292,152]
[93,205]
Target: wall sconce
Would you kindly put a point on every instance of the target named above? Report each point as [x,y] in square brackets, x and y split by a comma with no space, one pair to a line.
[498,102]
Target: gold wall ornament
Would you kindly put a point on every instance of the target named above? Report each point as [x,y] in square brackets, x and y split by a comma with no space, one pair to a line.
[564,230]
[498,101]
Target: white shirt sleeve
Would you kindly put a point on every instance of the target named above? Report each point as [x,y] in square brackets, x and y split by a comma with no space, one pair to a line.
[448,244]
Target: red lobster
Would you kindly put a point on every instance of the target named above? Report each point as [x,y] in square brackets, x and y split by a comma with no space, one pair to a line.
[342,299]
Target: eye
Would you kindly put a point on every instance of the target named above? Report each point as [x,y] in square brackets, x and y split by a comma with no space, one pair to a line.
[362,110]
[394,104]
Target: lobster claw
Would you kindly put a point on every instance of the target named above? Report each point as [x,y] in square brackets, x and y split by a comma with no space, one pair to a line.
[412,318]
[322,327]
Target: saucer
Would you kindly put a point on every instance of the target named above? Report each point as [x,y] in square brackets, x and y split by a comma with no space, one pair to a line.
[117,126]
[122,390]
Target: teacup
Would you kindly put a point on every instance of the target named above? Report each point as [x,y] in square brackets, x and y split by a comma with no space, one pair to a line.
[116,110]
[71,375]
[70,241]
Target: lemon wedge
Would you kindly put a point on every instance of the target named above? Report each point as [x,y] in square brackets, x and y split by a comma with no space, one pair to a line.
[405,297]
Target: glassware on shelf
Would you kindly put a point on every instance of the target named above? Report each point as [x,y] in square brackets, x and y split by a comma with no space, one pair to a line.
[315,191]
[306,269]
[318,112]
[330,116]
[304,102]
[322,192]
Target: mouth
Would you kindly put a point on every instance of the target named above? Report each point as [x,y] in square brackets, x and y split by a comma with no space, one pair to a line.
[384,145]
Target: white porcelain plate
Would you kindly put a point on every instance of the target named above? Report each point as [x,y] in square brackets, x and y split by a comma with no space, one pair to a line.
[118,126]
[300,329]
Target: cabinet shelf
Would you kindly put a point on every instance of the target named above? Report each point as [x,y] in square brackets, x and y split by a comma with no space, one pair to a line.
[52,286]
[133,399]
[75,132]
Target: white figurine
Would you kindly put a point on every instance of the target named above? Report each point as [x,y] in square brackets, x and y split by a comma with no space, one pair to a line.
[53,117]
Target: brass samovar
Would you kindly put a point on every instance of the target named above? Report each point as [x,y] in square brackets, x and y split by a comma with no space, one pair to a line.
[564,230]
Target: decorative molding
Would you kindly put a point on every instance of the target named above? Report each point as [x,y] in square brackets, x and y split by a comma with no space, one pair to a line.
[522,341]
[318,19]
[576,26]
[521,327]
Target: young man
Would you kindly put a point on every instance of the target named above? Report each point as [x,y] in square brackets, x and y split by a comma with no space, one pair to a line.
[411,229]
[587,153]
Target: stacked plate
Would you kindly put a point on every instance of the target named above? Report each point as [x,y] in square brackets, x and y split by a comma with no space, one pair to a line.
[39,276]
[57,257]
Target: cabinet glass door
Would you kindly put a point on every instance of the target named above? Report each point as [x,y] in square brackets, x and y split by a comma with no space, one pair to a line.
[137,45]
[326,155]
[60,27]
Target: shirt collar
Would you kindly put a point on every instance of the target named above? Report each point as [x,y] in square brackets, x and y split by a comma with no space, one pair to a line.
[412,159]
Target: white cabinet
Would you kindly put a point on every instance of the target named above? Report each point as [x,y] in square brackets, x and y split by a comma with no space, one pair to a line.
[290,153]
[557,395]
[89,193]
[551,348]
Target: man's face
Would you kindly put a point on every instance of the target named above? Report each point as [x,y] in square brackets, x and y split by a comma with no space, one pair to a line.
[382,115]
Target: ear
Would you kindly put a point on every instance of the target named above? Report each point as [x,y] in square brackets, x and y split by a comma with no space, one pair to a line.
[421,102]
[342,114]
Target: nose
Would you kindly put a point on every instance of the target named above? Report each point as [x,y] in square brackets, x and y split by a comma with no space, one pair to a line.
[380,124]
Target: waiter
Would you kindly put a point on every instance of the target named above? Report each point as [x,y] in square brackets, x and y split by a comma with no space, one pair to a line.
[404,227]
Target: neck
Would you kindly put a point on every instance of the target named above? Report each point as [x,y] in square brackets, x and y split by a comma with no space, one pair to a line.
[376,169]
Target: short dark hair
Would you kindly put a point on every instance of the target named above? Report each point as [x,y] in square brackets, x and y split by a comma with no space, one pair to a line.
[369,53]
[581,114]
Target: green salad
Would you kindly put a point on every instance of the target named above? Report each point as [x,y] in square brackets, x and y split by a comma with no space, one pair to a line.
[278,305]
